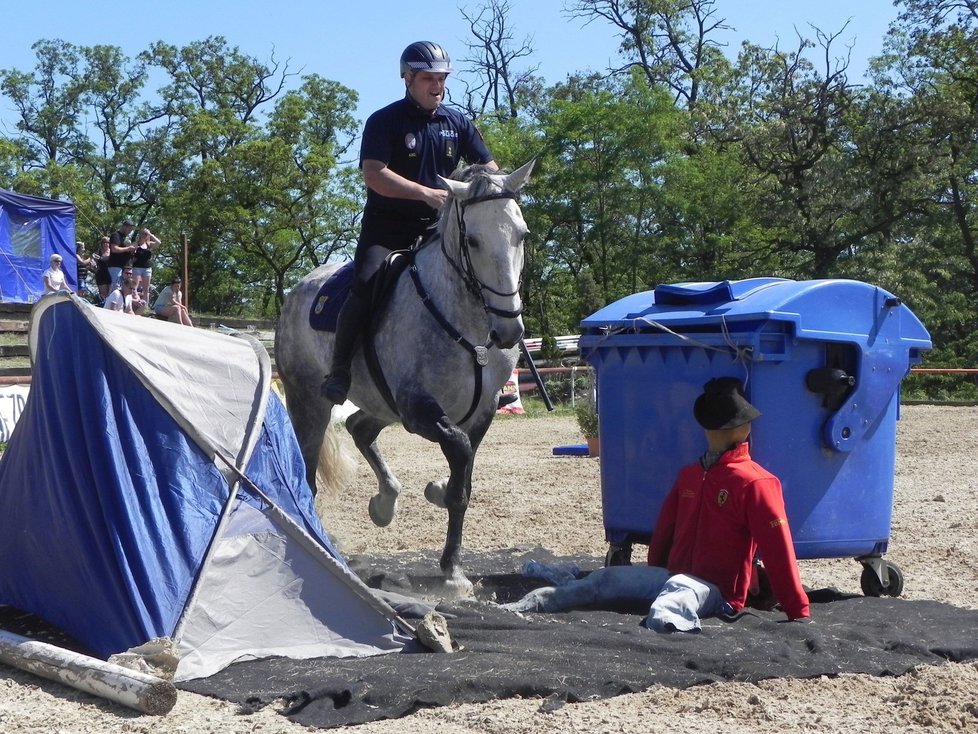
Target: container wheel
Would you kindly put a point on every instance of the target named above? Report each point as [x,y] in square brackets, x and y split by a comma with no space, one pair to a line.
[872,586]
[619,554]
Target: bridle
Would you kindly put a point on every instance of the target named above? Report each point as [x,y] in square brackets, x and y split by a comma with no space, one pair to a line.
[465,269]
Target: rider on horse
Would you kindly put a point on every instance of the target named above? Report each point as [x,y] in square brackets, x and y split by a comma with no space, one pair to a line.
[406,146]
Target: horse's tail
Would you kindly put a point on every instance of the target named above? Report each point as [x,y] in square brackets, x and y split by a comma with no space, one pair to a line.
[337,465]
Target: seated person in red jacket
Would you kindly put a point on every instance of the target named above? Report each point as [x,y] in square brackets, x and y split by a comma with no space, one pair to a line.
[721,511]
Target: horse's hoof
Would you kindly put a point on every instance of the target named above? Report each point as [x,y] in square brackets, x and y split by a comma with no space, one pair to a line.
[458,587]
[381,510]
[435,494]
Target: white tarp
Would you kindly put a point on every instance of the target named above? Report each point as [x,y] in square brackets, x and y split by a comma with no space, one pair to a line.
[12,401]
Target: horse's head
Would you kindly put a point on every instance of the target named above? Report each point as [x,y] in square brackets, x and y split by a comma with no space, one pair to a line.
[485,223]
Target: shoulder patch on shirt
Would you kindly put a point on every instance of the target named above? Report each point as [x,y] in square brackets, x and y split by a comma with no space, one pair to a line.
[722,497]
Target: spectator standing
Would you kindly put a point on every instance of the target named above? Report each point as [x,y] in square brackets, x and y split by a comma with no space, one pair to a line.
[142,259]
[54,276]
[102,278]
[84,264]
[169,304]
[120,250]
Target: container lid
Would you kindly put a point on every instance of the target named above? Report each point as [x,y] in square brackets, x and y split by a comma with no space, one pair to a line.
[831,310]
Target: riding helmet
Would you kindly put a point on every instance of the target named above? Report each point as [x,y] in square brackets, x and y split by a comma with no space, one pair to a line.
[425,56]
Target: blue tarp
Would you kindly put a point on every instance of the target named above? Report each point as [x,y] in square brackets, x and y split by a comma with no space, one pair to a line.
[31,230]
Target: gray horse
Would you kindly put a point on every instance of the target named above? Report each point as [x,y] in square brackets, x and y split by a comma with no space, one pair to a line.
[445,343]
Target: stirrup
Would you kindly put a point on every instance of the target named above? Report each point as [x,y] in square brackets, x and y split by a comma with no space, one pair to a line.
[336,386]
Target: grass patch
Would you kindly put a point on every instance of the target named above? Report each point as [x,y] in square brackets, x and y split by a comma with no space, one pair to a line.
[534,408]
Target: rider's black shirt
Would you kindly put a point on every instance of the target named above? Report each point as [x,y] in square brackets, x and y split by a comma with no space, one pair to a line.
[419,146]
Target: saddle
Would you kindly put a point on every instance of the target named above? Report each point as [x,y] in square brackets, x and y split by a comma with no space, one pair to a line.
[325,309]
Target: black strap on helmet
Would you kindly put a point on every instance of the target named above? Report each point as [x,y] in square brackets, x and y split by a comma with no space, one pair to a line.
[425,56]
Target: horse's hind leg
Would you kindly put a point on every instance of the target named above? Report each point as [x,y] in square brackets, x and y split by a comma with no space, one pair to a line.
[364,431]
[310,416]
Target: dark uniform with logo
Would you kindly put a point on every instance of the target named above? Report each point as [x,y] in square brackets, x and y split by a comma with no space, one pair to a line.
[420,146]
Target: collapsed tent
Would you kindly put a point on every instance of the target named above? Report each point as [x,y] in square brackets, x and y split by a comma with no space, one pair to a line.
[153,487]
[31,230]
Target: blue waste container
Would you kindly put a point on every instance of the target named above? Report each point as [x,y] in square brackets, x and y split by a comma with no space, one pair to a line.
[821,359]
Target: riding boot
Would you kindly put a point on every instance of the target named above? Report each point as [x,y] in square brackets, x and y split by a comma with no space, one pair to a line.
[353,318]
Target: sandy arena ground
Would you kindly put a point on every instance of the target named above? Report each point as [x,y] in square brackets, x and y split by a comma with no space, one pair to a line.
[934,540]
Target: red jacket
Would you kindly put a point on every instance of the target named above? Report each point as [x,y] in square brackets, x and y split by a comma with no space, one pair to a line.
[714,521]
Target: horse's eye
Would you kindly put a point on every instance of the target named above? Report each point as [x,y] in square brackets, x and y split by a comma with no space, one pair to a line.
[471,242]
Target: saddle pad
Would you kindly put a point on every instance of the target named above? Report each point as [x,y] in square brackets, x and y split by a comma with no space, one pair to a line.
[331,297]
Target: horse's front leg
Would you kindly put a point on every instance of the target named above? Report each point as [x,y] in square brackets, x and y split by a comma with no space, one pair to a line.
[364,431]
[459,449]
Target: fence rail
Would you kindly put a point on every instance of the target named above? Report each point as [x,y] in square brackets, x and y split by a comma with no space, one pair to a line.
[14,322]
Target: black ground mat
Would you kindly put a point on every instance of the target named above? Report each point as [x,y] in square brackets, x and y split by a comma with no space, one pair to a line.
[581,655]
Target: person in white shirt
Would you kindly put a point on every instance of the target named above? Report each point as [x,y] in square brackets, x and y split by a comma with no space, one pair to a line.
[54,277]
[120,299]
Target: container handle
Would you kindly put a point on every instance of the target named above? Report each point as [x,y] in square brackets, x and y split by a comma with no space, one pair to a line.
[879,376]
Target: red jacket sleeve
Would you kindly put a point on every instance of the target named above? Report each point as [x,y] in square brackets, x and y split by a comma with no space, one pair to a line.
[769,525]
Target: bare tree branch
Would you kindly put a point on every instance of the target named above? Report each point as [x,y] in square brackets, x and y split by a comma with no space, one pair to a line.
[492,54]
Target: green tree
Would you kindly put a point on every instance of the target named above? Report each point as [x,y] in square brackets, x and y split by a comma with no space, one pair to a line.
[670,42]
[286,209]
[605,144]
[932,61]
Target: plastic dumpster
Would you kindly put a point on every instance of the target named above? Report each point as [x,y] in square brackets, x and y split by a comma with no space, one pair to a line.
[821,359]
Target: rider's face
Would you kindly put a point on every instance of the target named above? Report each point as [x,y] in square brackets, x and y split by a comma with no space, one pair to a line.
[427,89]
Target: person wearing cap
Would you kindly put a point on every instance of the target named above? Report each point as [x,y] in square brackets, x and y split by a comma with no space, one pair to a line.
[121,249]
[721,511]
[405,147]
[54,276]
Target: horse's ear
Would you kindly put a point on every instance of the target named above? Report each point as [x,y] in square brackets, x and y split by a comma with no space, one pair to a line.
[518,178]
[459,189]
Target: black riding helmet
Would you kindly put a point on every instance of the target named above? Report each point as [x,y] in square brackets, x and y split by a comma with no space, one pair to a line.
[425,56]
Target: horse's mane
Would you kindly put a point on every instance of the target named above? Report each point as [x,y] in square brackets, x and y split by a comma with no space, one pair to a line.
[479,175]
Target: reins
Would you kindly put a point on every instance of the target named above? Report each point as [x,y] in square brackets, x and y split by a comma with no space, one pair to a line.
[479,352]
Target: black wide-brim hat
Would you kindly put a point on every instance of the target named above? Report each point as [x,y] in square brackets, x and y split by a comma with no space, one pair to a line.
[723,405]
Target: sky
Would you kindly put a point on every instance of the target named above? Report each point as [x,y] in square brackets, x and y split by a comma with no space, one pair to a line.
[358,43]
